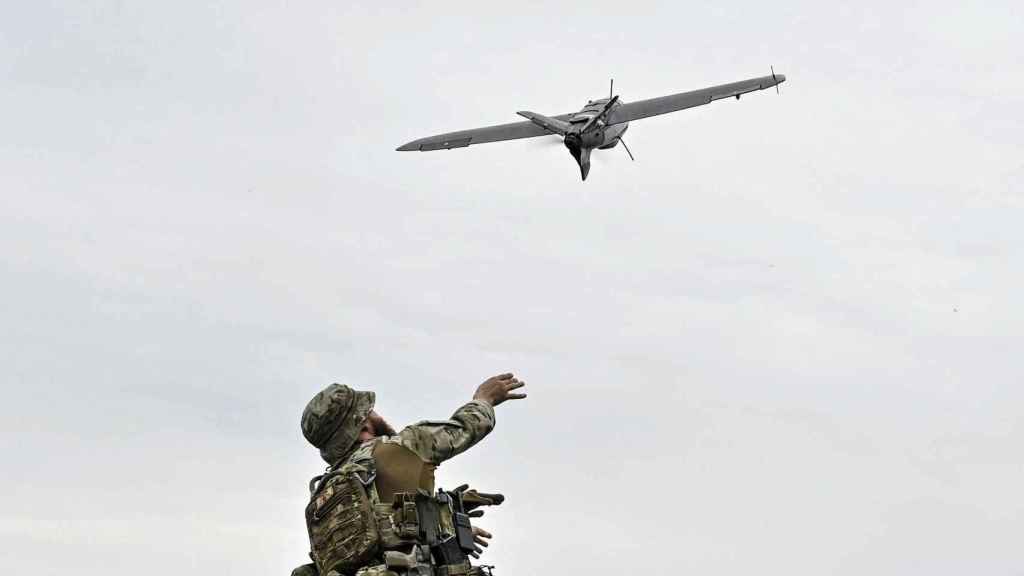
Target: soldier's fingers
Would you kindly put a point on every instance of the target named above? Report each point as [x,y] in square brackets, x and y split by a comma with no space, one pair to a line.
[480,532]
[505,376]
[516,396]
[475,555]
[462,488]
[475,514]
[514,384]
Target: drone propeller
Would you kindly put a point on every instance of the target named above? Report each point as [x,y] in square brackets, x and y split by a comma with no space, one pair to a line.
[611,88]
[604,111]
[776,80]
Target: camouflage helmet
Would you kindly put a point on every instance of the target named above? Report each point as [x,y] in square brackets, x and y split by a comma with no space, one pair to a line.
[332,419]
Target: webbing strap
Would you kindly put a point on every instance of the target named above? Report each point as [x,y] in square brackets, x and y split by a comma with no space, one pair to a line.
[313,483]
[453,569]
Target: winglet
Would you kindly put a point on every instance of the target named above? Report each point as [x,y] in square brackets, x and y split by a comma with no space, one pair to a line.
[779,79]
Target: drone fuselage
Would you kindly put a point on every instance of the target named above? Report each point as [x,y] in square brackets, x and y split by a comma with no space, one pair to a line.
[587,131]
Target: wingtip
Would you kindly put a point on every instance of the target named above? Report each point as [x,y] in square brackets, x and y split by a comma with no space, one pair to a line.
[407,147]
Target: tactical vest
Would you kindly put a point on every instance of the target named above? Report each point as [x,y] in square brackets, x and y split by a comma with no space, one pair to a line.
[377,509]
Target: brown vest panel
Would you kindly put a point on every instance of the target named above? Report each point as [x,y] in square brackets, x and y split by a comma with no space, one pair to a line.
[400,470]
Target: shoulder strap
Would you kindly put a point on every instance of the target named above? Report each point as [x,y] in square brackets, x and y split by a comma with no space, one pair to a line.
[313,484]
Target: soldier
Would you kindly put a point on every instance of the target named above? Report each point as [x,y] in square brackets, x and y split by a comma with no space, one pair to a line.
[374,512]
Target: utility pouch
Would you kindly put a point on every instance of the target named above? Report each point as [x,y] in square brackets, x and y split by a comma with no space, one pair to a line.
[448,553]
[429,516]
[399,561]
[417,517]
[342,528]
[407,519]
[389,524]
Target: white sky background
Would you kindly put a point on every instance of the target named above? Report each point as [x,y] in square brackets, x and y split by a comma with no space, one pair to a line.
[786,340]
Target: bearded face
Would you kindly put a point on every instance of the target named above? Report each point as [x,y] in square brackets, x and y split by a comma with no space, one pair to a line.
[378,426]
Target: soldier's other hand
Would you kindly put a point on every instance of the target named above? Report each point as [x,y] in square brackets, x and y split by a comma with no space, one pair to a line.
[480,538]
[497,389]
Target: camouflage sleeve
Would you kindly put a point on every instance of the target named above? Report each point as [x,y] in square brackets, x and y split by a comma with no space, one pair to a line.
[438,440]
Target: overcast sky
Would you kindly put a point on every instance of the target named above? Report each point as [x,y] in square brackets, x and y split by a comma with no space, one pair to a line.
[785,340]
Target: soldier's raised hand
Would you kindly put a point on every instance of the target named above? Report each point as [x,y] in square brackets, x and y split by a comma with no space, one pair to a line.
[497,389]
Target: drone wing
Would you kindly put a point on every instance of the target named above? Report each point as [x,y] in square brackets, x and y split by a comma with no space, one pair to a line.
[654,106]
[463,138]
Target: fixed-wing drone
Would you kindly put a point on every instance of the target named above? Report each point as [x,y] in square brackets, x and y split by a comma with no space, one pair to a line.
[600,124]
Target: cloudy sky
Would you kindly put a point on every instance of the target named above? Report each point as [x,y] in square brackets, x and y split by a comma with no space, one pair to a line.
[785,340]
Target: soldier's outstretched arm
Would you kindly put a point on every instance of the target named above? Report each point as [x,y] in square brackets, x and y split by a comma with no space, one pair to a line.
[438,440]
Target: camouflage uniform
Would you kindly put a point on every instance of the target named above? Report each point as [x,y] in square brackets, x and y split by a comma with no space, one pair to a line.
[334,417]
[438,440]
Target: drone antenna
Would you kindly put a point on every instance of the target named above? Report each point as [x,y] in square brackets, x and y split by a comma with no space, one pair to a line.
[611,87]
[627,149]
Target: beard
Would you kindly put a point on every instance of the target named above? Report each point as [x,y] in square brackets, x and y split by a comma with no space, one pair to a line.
[381,426]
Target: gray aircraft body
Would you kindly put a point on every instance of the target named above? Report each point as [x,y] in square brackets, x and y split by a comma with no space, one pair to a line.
[600,124]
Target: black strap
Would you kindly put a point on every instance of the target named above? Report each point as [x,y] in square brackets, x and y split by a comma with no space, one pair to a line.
[313,483]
